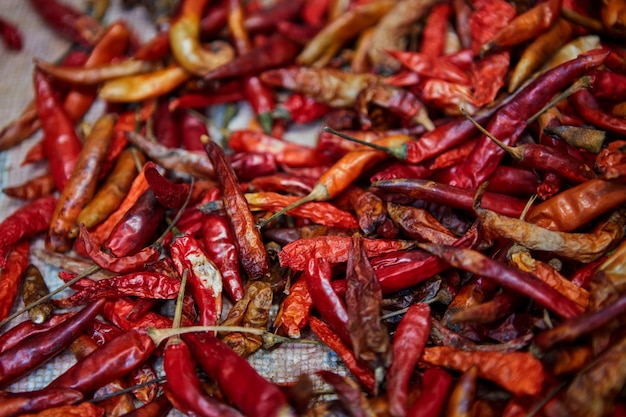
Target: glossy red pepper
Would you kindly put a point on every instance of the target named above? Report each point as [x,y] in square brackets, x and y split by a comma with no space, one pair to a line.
[11,277]
[68,21]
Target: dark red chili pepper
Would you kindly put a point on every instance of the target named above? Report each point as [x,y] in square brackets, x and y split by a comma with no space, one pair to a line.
[436,385]
[276,52]
[252,251]
[68,21]
[135,230]
[25,222]
[590,110]
[197,101]
[266,18]
[28,328]
[608,85]
[408,343]
[192,130]
[155,49]
[21,403]
[121,265]
[244,387]
[248,165]
[61,142]
[450,195]
[360,371]
[298,33]
[349,394]
[301,109]
[204,278]
[11,35]
[220,247]
[510,277]
[167,193]
[31,352]
[185,390]
[159,407]
[111,361]
[318,275]
[166,125]
[116,311]
[511,119]
[11,277]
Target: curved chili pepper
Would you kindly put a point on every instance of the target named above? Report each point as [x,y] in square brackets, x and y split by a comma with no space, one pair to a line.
[111,361]
[252,252]
[220,247]
[20,331]
[68,21]
[185,41]
[61,143]
[159,407]
[167,193]
[240,382]
[589,108]
[510,120]
[436,385]
[31,352]
[204,278]
[36,187]
[20,403]
[294,311]
[185,389]
[155,49]
[92,75]
[435,28]
[80,186]
[350,395]
[11,276]
[143,86]
[25,222]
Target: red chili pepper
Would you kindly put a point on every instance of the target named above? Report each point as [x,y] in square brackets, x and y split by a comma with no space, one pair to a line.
[302,109]
[21,403]
[204,278]
[11,35]
[295,310]
[195,101]
[349,394]
[220,247]
[61,142]
[111,361]
[68,21]
[408,343]
[34,188]
[435,28]
[240,382]
[193,129]
[590,110]
[252,252]
[166,125]
[117,310]
[510,120]
[436,385]
[184,388]
[25,222]
[31,352]
[360,371]
[11,276]
[266,18]
[159,407]
[167,193]
[281,183]
[27,328]
[155,49]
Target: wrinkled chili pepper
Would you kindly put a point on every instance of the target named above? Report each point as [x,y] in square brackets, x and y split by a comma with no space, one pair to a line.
[408,342]
[350,396]
[431,402]
[159,407]
[25,222]
[589,108]
[27,328]
[31,352]
[36,187]
[167,193]
[81,185]
[18,403]
[252,252]
[11,276]
[294,311]
[240,382]
[33,288]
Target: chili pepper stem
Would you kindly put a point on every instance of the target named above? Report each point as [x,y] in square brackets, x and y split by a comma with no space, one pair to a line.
[395,152]
[516,152]
[46,297]
[318,193]
[266,121]
[580,84]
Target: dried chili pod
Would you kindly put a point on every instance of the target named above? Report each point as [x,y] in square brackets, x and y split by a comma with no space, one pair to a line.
[33,288]
[11,277]
[349,393]
[19,403]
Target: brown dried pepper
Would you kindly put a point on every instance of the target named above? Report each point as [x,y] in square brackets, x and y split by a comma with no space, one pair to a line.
[408,342]
[252,252]
[33,288]
[80,186]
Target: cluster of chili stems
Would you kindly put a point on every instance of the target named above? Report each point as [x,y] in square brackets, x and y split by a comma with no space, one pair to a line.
[454,236]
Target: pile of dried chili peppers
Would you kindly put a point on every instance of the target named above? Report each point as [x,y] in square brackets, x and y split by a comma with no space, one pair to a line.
[454,236]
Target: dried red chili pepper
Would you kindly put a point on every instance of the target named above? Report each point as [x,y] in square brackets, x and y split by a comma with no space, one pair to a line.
[80,186]
[294,311]
[36,187]
[436,385]
[11,35]
[360,371]
[589,108]
[520,281]
[61,143]
[68,21]
[25,222]
[240,382]
[28,328]
[84,409]
[435,28]
[408,342]
[11,276]
[463,394]
[167,193]
[300,109]
[252,252]
[159,407]
[369,336]
[19,403]
[204,278]
[31,352]
[510,120]
[349,394]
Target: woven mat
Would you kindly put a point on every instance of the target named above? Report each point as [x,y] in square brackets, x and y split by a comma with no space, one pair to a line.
[279,365]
